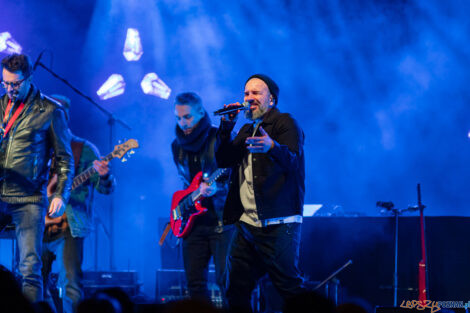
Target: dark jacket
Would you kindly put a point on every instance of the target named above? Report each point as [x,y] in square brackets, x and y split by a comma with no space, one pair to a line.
[278,175]
[206,158]
[40,129]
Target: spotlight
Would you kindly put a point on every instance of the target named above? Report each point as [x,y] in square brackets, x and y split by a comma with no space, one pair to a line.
[153,85]
[112,87]
[8,44]
[132,46]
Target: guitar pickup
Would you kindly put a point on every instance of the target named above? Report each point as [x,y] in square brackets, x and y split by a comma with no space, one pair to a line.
[176,213]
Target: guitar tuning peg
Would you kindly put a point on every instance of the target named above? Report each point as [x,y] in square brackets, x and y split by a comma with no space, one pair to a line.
[132,151]
[128,155]
[123,160]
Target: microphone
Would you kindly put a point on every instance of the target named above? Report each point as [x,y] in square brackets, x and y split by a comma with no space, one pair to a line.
[243,107]
[37,60]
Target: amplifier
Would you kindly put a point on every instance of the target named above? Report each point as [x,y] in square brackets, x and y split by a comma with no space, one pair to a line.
[95,281]
[170,284]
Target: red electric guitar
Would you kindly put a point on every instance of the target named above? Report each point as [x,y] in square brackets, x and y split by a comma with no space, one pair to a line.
[186,204]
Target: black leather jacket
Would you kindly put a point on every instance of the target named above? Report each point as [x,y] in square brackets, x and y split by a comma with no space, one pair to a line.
[278,175]
[39,130]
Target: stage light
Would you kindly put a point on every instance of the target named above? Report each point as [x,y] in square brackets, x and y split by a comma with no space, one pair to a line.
[468,134]
[112,87]
[153,85]
[132,46]
[8,44]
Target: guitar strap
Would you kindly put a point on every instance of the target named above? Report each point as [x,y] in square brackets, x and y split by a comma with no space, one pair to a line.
[204,158]
[209,152]
[77,147]
[179,161]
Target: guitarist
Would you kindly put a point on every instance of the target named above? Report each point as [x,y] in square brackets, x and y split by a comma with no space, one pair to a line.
[193,151]
[65,235]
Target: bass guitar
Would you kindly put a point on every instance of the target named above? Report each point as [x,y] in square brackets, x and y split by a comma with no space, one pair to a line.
[118,152]
[186,204]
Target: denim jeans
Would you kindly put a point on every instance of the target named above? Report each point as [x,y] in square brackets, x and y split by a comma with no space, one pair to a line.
[198,247]
[29,228]
[256,251]
[69,250]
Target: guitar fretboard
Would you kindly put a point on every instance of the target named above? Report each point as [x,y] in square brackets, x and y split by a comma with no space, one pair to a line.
[196,193]
[86,174]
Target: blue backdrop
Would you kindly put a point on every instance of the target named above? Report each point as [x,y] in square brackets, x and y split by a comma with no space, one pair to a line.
[380,89]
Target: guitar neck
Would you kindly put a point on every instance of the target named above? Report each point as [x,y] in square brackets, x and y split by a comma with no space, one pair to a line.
[196,194]
[213,178]
[86,174]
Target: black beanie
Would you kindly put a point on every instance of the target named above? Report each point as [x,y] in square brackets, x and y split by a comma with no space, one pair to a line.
[273,88]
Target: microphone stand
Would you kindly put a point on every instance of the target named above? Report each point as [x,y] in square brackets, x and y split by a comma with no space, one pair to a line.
[111,117]
[335,273]
[111,122]
[389,206]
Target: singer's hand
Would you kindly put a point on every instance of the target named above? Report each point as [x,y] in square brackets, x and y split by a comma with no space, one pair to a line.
[232,117]
[260,144]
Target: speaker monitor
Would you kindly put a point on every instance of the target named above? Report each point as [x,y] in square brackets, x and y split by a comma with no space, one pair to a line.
[95,281]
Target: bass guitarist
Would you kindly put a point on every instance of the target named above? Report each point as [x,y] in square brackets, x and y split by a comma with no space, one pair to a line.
[193,151]
[64,236]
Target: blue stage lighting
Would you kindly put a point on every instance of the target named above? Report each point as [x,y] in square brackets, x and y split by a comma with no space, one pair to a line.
[153,85]
[113,86]
[8,44]
[133,46]
[311,209]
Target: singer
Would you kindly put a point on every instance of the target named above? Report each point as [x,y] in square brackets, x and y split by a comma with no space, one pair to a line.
[34,126]
[266,195]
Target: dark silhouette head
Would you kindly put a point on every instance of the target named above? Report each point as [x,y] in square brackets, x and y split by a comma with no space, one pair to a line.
[11,295]
[308,302]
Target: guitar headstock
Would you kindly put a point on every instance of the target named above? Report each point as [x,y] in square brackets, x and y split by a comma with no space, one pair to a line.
[121,150]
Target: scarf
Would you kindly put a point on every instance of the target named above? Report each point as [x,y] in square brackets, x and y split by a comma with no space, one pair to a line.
[194,141]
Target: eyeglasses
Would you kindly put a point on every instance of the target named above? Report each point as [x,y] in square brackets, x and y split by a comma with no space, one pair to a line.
[13,85]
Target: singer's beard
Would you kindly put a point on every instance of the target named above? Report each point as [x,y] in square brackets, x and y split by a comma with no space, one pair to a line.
[257,114]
